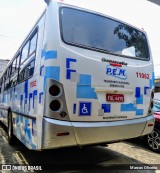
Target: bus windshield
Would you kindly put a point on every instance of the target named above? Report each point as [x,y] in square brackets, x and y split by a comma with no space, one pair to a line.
[96,32]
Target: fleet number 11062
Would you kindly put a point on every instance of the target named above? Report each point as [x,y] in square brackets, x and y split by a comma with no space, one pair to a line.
[142,75]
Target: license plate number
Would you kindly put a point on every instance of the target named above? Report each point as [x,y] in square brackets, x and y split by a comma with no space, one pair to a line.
[115,97]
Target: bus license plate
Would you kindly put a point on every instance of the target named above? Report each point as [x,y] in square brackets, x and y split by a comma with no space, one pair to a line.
[115,97]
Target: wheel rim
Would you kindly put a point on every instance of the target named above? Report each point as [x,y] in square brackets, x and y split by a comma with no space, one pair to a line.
[154,140]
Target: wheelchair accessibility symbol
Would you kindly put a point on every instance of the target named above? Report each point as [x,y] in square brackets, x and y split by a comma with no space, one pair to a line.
[85,109]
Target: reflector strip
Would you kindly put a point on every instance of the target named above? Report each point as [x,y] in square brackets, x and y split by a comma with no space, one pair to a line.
[150,125]
[63,134]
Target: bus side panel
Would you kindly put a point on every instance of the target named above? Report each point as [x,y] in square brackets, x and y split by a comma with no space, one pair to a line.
[28,110]
[25,130]
[24,113]
[4,105]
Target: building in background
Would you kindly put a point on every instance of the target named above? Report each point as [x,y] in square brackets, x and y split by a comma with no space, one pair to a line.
[3,64]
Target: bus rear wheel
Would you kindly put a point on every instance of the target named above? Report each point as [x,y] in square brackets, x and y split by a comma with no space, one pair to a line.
[153,140]
[10,129]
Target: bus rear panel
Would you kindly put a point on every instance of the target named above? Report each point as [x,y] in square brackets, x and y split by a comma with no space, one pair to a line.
[105,80]
[79,78]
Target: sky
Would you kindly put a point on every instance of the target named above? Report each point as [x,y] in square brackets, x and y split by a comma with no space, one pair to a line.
[18,16]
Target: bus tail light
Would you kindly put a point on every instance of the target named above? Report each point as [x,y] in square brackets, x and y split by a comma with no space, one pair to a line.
[55,90]
[150,125]
[63,134]
[55,105]
[150,110]
[55,102]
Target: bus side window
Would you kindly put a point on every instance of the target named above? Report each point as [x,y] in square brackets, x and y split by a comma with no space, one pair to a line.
[27,72]
[13,71]
[31,68]
[28,55]
[29,48]
[33,44]
[24,55]
[21,76]
[17,64]
[14,81]
[2,86]
[5,80]
[14,66]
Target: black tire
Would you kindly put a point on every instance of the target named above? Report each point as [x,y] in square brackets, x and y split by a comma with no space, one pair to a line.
[10,129]
[153,140]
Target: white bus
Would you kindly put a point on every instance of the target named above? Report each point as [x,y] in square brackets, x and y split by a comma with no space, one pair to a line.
[79,78]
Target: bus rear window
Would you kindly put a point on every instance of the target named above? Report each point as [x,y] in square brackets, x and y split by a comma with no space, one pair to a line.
[96,32]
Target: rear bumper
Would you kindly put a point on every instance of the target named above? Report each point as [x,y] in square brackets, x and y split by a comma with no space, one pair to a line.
[112,131]
[85,133]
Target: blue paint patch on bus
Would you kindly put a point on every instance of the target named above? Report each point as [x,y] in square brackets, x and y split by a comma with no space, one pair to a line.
[40,97]
[21,101]
[25,133]
[152,81]
[139,112]
[106,108]
[43,53]
[137,92]
[68,61]
[74,108]
[30,97]
[51,54]
[86,92]
[130,107]
[85,80]
[68,65]
[139,100]
[4,100]
[26,89]
[41,69]
[68,73]
[52,72]
[33,122]
[145,90]
[84,89]
[34,94]
[27,129]
[33,146]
